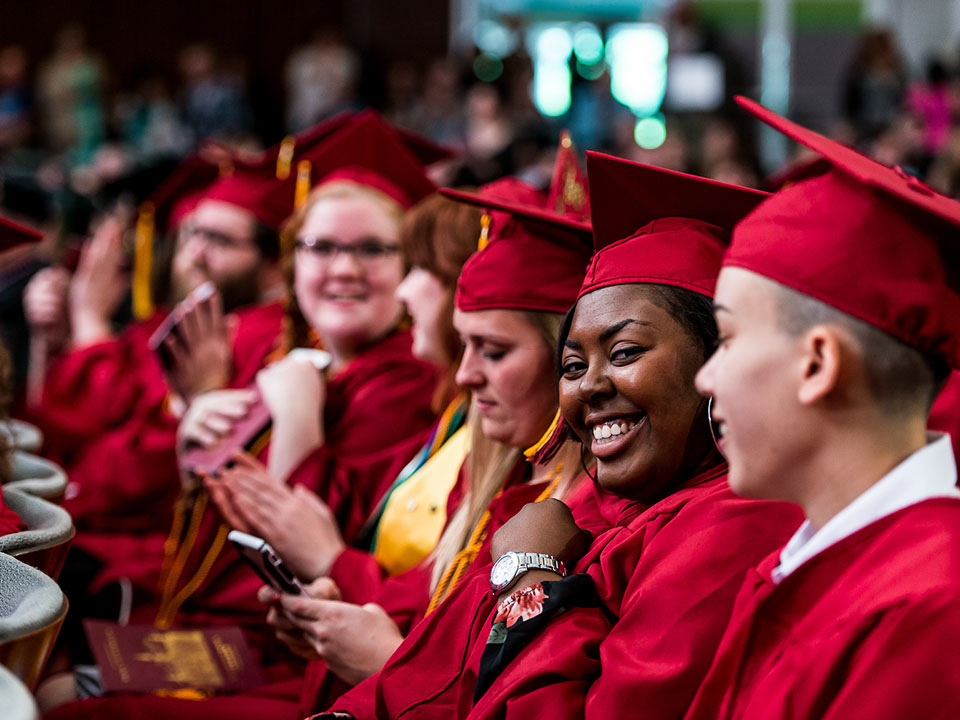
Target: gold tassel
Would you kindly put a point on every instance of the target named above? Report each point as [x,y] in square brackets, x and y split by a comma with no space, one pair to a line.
[285,157]
[303,184]
[545,438]
[143,263]
[485,221]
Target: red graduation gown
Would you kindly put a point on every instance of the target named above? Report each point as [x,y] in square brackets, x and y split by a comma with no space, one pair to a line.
[426,668]
[868,628]
[667,576]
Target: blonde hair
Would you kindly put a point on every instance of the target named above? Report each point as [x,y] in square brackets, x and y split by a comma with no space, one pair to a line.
[489,465]
[296,330]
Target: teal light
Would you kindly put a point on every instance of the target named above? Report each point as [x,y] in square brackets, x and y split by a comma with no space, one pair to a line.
[588,44]
[590,72]
[650,132]
[494,39]
[637,57]
[551,88]
[487,68]
[551,46]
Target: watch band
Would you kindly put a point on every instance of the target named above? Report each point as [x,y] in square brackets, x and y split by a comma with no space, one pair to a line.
[540,561]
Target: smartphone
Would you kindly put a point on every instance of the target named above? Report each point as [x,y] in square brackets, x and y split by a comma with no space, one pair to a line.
[266,563]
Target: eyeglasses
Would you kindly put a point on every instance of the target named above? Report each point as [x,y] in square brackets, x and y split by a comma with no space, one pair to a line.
[213,238]
[368,252]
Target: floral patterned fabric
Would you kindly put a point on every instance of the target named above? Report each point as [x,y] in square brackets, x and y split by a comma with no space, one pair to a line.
[522,615]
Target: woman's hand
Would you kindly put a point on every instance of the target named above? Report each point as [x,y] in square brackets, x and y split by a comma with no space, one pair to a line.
[543,527]
[295,392]
[286,631]
[99,285]
[45,305]
[354,640]
[296,523]
[200,350]
[212,415]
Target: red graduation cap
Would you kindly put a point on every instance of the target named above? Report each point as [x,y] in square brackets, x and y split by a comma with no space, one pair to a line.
[368,151]
[866,239]
[652,225]
[533,258]
[13,234]
[293,148]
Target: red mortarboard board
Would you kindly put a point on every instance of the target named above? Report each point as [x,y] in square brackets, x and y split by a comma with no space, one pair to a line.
[866,239]
[369,152]
[255,192]
[568,186]
[533,258]
[14,234]
[653,225]
[286,154]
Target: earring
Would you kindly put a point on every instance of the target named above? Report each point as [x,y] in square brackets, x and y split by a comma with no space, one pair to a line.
[713,432]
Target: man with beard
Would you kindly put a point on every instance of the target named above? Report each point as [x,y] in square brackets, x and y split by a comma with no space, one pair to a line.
[106,401]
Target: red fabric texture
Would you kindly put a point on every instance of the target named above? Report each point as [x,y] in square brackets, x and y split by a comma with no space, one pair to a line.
[858,631]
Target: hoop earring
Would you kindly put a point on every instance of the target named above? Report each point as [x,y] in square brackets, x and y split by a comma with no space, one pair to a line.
[583,464]
[713,433]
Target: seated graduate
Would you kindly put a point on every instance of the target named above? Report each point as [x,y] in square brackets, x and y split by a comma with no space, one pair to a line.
[630,633]
[11,235]
[839,308]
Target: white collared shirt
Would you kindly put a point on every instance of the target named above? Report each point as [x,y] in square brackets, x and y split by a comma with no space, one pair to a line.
[930,472]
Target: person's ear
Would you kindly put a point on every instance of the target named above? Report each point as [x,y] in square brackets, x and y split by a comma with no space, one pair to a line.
[821,364]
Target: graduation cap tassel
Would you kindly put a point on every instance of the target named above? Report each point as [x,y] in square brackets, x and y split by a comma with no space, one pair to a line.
[285,157]
[302,189]
[485,221]
[143,263]
[549,443]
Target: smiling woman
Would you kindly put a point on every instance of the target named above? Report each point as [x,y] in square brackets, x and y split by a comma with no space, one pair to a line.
[626,386]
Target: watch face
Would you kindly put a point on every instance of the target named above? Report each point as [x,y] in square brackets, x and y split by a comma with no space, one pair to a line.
[504,570]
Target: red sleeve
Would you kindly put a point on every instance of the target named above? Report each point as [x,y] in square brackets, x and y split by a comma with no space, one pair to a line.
[91,390]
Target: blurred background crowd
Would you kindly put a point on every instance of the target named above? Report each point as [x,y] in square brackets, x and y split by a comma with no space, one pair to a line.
[96,110]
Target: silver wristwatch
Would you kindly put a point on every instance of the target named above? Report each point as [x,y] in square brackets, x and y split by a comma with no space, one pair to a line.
[512,565]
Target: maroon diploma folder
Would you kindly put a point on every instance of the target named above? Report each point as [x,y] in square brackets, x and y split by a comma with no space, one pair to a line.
[142,658]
